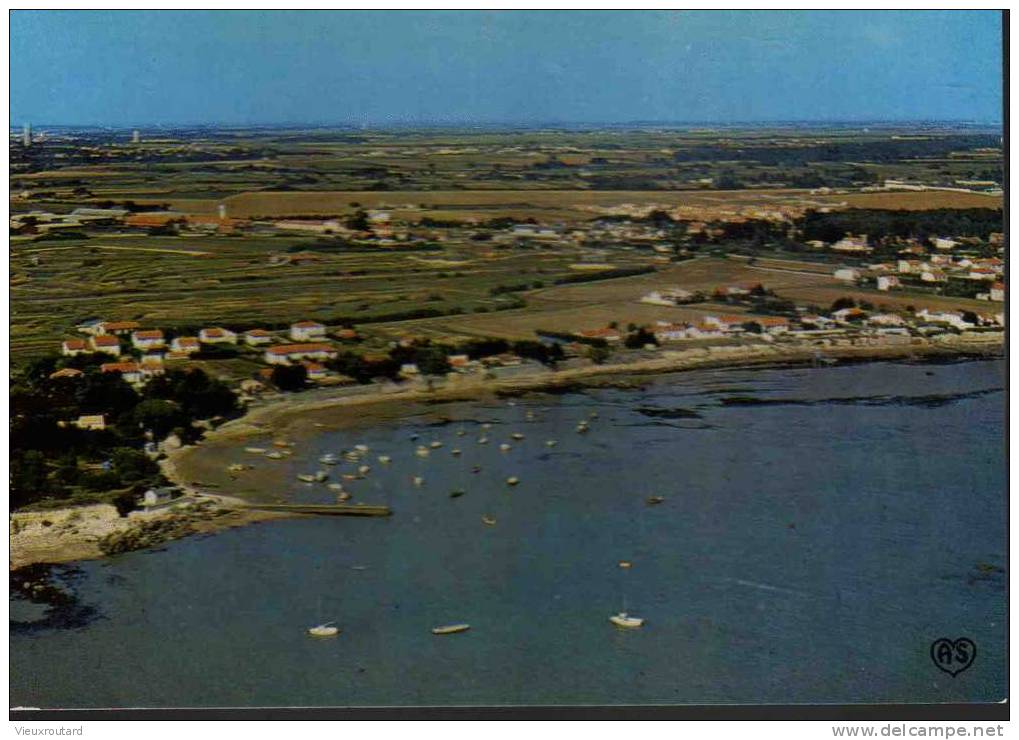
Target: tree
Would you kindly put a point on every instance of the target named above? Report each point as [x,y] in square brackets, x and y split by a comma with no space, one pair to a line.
[599,354]
[159,416]
[132,465]
[844,302]
[640,338]
[289,377]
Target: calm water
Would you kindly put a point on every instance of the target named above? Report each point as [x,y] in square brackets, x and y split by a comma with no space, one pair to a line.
[808,550]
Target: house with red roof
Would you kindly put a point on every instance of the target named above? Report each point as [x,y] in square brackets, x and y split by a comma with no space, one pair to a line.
[217,335]
[256,337]
[307,331]
[106,343]
[145,339]
[72,347]
[285,354]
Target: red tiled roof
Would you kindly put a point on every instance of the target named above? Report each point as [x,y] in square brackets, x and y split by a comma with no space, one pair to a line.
[289,349]
[148,334]
[67,372]
[119,325]
[119,367]
[75,344]
[307,325]
[258,333]
[105,341]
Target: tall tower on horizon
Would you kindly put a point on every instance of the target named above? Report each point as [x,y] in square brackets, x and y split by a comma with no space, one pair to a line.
[26,135]
[136,137]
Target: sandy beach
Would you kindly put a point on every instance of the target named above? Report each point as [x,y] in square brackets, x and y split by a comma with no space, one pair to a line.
[63,535]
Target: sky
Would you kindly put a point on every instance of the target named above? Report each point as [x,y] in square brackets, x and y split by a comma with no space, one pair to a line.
[137,68]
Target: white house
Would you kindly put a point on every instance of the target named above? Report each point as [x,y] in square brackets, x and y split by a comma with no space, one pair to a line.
[997,292]
[71,347]
[887,282]
[185,345]
[148,339]
[848,274]
[941,243]
[106,343]
[307,331]
[284,354]
[130,371]
[217,335]
[256,337]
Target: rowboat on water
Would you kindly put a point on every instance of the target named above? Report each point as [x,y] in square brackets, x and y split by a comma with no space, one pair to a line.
[450,629]
[422,452]
[482,440]
[364,470]
[512,480]
[550,443]
[255,450]
[625,621]
[455,452]
[461,432]
[517,435]
[489,520]
[324,630]
[505,447]
[652,500]
[436,445]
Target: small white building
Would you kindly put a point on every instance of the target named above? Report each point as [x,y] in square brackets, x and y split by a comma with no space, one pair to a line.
[217,335]
[106,343]
[887,282]
[848,274]
[148,339]
[998,292]
[307,331]
[257,337]
[284,354]
[185,345]
[71,347]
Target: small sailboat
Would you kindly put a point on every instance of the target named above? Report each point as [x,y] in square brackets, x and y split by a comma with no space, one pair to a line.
[455,452]
[505,447]
[385,459]
[550,443]
[461,432]
[361,448]
[255,450]
[417,480]
[625,564]
[324,630]
[364,470]
[517,435]
[422,452]
[482,440]
[625,621]
[335,486]
[512,480]
[450,629]
[582,428]
[486,425]
[352,456]
[652,500]
[343,496]
[529,416]
[436,445]
[329,459]
[489,520]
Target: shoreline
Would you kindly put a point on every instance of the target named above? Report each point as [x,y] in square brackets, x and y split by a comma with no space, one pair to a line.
[74,533]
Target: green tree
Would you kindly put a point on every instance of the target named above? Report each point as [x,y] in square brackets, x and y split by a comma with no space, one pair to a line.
[289,377]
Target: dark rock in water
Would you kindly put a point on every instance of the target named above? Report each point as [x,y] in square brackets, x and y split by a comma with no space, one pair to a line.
[677,413]
[457,493]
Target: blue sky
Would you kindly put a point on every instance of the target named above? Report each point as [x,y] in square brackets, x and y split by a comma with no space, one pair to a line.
[377,67]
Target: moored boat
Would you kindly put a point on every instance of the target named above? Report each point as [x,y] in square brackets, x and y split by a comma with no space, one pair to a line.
[324,630]
[450,629]
[255,450]
[652,500]
[625,621]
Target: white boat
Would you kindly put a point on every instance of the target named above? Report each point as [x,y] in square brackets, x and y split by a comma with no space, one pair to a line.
[385,459]
[275,455]
[329,459]
[324,630]
[512,480]
[417,480]
[482,440]
[422,452]
[361,448]
[255,450]
[517,435]
[436,445]
[450,629]
[530,416]
[489,520]
[321,476]
[335,486]
[343,496]
[461,432]
[455,452]
[352,456]
[582,428]
[625,621]
[486,425]
[504,447]
[306,477]
[593,414]
[364,470]
[550,443]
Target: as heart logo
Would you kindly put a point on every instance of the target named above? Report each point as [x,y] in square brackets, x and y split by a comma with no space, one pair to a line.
[953,657]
